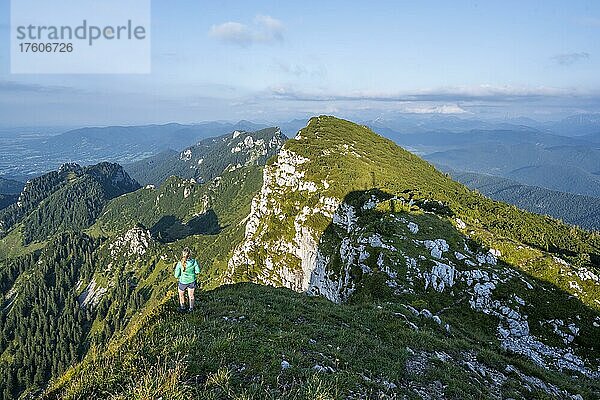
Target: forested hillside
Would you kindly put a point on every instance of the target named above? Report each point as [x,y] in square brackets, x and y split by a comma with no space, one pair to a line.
[68,199]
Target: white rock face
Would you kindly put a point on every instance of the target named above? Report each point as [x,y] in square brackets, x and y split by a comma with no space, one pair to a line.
[586,275]
[134,241]
[441,277]
[460,224]
[92,295]
[413,228]
[345,217]
[488,258]
[437,247]
[298,258]
[327,284]
[513,327]
[186,155]
[370,204]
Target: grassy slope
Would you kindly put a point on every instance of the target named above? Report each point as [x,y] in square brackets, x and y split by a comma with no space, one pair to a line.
[233,347]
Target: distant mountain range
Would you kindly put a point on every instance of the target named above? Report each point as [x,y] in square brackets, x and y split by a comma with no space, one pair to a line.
[121,144]
[530,156]
[575,125]
[127,144]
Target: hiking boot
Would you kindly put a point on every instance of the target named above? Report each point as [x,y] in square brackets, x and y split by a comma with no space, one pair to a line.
[182,309]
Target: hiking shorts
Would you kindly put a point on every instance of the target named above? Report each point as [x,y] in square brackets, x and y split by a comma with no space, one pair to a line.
[184,286]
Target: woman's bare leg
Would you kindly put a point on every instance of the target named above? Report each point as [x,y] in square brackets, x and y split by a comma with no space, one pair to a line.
[181,298]
[191,296]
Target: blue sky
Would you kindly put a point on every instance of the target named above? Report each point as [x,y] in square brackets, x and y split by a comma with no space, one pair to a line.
[275,60]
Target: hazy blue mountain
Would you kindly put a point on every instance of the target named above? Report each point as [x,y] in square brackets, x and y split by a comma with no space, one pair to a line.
[574,209]
[423,123]
[405,123]
[7,199]
[559,177]
[25,158]
[10,186]
[525,150]
[577,125]
[506,157]
[477,136]
[248,126]
[115,141]
[591,137]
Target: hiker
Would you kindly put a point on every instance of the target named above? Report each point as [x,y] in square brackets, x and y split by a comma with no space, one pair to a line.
[185,272]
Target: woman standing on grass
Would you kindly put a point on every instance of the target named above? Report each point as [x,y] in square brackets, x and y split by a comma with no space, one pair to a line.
[185,272]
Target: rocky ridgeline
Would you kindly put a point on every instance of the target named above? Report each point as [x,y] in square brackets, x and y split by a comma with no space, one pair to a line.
[299,237]
[134,242]
[229,152]
[281,256]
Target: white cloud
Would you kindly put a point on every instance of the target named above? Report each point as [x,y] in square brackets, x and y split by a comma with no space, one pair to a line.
[570,58]
[232,32]
[264,30]
[438,109]
[274,27]
[440,95]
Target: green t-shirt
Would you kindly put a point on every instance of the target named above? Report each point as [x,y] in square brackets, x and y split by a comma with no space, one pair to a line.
[189,275]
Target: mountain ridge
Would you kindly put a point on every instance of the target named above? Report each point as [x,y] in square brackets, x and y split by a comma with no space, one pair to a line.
[210,157]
